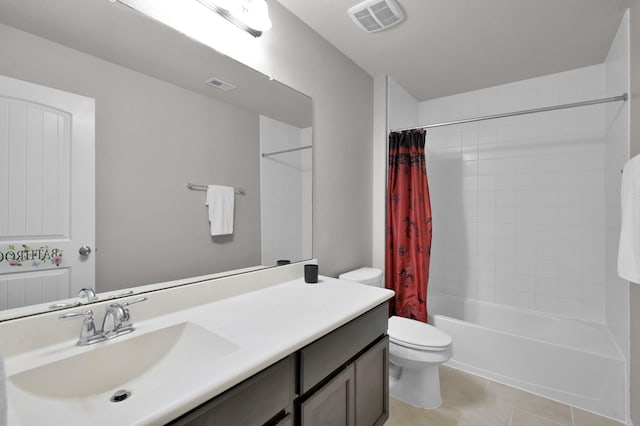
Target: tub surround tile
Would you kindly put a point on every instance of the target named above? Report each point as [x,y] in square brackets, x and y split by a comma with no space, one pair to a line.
[536,179]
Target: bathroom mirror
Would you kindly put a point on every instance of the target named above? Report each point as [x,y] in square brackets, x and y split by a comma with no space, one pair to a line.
[158,126]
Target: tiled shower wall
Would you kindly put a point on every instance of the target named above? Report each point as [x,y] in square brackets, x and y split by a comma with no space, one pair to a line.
[285,180]
[518,203]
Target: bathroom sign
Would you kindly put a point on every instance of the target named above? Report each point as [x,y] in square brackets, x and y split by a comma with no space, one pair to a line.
[19,257]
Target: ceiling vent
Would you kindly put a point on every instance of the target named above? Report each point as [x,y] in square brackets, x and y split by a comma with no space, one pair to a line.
[219,84]
[376,15]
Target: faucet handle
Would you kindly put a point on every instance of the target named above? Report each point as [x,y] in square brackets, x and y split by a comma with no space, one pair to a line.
[134,301]
[126,323]
[88,293]
[122,294]
[75,315]
[88,333]
[61,305]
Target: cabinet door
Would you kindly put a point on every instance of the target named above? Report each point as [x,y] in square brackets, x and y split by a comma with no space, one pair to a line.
[333,404]
[287,421]
[372,385]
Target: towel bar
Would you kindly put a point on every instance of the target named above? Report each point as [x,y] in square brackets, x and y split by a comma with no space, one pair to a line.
[197,187]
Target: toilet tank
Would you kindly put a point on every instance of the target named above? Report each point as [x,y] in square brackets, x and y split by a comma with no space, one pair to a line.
[368,276]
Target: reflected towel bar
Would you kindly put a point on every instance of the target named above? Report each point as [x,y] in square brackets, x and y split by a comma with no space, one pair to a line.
[197,187]
[269,154]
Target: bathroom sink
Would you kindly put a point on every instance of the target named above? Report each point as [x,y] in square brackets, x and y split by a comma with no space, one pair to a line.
[155,365]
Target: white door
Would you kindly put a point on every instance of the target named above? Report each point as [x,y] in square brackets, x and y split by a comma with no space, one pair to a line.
[47,199]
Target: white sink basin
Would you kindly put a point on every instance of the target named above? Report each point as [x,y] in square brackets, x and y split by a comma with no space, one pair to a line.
[150,365]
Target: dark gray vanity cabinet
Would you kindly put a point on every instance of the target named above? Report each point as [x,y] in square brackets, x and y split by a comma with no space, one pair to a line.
[266,398]
[344,375]
[340,379]
[372,385]
[359,395]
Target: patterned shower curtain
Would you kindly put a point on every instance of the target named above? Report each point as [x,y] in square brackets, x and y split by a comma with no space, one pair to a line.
[408,225]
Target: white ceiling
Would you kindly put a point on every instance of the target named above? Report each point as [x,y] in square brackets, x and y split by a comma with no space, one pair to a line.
[452,46]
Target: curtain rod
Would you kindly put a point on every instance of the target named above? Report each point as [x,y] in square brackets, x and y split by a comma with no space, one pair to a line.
[267,154]
[622,97]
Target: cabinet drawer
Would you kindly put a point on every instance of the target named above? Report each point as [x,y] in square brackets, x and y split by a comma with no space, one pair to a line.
[253,402]
[322,357]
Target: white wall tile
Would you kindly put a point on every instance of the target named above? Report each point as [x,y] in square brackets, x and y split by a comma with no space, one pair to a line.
[525,300]
[525,283]
[505,296]
[487,293]
[569,307]
[593,311]
[546,303]
[532,190]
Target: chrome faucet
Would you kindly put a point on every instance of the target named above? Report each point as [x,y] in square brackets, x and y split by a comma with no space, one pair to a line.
[88,293]
[117,319]
[116,322]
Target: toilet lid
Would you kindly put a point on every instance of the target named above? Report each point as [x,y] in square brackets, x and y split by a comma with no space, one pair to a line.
[363,276]
[417,334]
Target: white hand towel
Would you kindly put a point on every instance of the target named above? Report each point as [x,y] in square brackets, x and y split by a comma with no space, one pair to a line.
[629,249]
[220,200]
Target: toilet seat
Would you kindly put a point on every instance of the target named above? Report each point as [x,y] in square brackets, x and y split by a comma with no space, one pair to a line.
[417,335]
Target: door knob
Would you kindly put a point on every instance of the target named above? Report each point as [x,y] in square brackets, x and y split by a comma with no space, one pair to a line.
[84,251]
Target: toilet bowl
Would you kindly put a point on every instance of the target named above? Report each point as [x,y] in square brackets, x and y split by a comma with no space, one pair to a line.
[416,351]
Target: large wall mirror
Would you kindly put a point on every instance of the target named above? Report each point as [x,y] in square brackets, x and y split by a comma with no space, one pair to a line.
[157,126]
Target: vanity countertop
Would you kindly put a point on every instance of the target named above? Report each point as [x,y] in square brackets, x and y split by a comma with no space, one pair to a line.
[259,328]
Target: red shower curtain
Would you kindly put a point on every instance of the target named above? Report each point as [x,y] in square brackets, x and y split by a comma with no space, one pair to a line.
[408,225]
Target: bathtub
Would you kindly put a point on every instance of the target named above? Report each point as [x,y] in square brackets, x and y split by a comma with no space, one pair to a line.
[567,360]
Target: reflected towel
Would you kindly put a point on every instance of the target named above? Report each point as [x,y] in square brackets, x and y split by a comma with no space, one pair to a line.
[629,249]
[220,200]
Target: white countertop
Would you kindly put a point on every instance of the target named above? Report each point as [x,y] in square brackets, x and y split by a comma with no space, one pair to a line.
[266,325]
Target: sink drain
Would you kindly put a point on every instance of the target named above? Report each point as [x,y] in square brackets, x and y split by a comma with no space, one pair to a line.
[120,395]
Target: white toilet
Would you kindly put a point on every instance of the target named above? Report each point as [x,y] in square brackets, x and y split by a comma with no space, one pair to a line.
[416,351]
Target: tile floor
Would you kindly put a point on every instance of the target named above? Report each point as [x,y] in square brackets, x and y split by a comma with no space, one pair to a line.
[470,400]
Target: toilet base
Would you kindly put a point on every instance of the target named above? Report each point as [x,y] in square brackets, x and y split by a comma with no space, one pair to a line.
[417,386]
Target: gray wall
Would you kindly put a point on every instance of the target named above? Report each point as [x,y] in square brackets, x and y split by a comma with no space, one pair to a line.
[634,368]
[342,135]
[152,137]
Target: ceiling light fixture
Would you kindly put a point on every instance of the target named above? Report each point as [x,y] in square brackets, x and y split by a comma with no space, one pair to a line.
[250,15]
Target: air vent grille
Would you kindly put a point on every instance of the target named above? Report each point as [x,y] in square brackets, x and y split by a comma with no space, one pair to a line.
[376,15]
[367,21]
[220,84]
[384,14]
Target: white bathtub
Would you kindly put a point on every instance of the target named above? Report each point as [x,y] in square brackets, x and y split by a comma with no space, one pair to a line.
[570,361]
